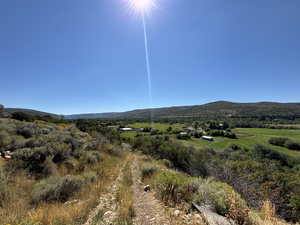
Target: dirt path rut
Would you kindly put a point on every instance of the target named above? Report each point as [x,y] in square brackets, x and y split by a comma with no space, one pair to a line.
[106,211]
[148,210]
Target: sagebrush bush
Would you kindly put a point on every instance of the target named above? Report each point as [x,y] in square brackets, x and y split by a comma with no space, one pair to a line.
[213,193]
[5,140]
[90,177]
[91,157]
[148,171]
[114,152]
[56,189]
[26,131]
[172,187]
[167,163]
[50,168]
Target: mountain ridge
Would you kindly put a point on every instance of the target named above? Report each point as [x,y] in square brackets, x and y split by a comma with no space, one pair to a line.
[212,109]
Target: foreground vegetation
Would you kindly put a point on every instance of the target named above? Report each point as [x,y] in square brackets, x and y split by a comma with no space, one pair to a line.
[59,170]
[56,173]
[257,174]
[175,188]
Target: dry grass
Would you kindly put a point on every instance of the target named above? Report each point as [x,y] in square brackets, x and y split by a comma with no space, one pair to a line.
[73,212]
[18,204]
[266,216]
[125,198]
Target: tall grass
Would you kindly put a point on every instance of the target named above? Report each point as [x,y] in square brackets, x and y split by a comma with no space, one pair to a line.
[20,209]
[125,199]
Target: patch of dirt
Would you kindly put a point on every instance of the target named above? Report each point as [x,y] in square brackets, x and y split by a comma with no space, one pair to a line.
[148,210]
[151,211]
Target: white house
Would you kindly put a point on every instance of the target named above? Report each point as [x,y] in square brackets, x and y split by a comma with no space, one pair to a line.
[208,138]
[126,129]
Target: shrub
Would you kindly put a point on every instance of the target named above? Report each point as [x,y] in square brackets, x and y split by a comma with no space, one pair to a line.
[91,157]
[90,177]
[183,136]
[56,189]
[173,188]
[230,135]
[211,192]
[114,152]
[263,152]
[237,211]
[292,145]
[22,116]
[71,164]
[26,132]
[278,141]
[4,140]
[167,163]
[50,167]
[155,132]
[148,171]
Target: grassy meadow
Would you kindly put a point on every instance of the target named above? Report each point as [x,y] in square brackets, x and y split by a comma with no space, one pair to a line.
[158,126]
[247,137]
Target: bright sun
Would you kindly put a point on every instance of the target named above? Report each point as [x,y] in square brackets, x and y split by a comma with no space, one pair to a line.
[142,5]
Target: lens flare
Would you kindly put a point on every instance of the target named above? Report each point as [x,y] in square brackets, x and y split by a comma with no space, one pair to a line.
[142,5]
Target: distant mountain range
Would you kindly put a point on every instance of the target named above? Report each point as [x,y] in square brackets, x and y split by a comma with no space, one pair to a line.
[220,109]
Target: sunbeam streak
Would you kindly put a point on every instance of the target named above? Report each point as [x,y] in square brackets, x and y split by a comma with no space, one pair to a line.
[148,67]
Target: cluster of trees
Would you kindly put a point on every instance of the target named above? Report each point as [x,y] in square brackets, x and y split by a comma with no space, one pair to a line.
[22,116]
[96,127]
[222,133]
[285,142]
[258,174]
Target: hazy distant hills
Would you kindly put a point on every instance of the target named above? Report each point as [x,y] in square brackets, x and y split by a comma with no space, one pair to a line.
[211,110]
[30,111]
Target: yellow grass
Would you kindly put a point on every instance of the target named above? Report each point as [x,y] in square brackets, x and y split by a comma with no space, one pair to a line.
[125,198]
[19,209]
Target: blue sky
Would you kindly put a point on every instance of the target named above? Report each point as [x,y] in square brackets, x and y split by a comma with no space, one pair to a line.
[77,56]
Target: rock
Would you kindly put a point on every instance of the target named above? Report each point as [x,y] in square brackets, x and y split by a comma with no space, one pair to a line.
[197,216]
[45,131]
[71,202]
[7,156]
[176,213]
[147,188]
[108,214]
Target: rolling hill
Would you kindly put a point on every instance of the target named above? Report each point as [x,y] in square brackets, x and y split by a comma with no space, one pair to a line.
[220,109]
[30,111]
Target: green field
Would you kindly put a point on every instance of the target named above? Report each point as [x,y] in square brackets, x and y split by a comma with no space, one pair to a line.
[249,137]
[158,126]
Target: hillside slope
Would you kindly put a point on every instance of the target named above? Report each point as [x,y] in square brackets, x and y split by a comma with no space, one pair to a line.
[220,109]
[30,111]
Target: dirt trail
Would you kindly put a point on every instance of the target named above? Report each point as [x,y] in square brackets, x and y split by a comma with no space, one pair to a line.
[148,210]
[106,211]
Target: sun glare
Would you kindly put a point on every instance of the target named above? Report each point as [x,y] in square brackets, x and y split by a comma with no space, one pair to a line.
[142,5]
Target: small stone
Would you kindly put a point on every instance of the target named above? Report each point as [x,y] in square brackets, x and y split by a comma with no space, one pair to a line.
[107,214]
[197,216]
[176,213]
[147,188]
